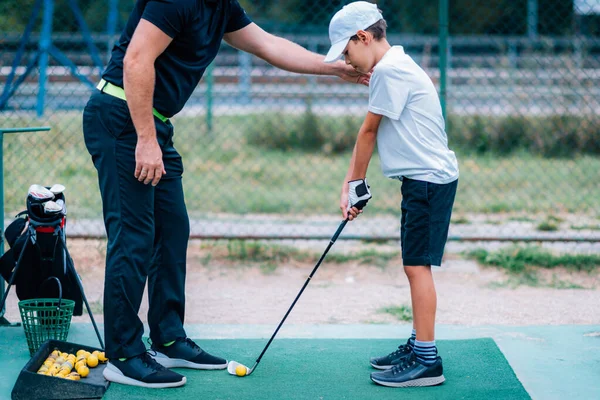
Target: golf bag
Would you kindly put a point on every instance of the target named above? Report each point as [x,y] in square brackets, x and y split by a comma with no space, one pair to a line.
[38,254]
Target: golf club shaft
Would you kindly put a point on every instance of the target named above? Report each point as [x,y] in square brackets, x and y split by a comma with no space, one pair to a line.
[333,239]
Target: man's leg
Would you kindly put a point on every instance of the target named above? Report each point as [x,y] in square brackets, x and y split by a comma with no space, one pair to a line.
[128,208]
[166,284]
[128,217]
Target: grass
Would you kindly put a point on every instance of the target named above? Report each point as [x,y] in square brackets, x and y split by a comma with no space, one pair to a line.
[460,220]
[370,257]
[528,278]
[242,250]
[268,268]
[524,265]
[521,218]
[96,307]
[531,278]
[547,226]
[224,174]
[518,259]
[558,283]
[268,256]
[401,313]
[586,227]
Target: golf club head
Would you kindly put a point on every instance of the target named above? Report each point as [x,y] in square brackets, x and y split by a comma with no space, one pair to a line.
[57,188]
[40,193]
[52,207]
[233,365]
[61,203]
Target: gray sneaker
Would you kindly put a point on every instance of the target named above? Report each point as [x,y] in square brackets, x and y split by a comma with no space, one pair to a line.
[184,353]
[410,372]
[394,358]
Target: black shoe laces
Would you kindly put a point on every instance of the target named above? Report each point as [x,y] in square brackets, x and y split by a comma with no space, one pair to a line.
[404,364]
[149,361]
[192,344]
[403,348]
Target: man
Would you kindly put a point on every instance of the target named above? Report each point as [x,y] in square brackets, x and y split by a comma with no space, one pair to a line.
[158,61]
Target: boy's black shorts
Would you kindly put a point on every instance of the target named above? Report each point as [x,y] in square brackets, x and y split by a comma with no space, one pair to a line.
[426,212]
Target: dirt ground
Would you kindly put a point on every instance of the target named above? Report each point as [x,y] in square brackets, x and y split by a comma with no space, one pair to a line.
[222,290]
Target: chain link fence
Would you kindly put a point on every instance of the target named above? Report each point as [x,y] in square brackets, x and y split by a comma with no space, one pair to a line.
[266,151]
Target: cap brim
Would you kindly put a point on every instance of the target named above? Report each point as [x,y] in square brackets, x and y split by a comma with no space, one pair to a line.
[335,52]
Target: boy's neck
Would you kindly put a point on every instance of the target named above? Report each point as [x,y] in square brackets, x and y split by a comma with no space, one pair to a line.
[381,47]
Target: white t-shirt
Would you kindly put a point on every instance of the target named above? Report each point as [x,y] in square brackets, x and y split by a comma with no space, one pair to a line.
[411,139]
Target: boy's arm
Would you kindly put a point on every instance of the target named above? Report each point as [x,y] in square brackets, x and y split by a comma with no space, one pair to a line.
[361,156]
[288,55]
[363,149]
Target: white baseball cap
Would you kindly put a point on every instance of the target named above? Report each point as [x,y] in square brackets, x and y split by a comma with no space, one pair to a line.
[346,22]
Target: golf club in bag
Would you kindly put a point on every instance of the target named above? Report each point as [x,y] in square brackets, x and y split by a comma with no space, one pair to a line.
[38,252]
[235,368]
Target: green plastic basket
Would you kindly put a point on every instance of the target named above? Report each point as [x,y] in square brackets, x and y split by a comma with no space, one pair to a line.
[44,319]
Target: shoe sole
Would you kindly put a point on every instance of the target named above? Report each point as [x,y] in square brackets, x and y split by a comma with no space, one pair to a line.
[113,374]
[167,362]
[413,383]
[381,367]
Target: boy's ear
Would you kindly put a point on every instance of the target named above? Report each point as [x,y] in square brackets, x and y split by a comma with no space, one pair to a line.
[364,36]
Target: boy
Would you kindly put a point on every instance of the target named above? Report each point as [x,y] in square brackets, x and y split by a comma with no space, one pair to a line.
[405,119]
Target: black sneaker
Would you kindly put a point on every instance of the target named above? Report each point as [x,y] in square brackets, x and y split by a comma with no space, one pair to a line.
[142,371]
[394,358]
[184,353]
[410,372]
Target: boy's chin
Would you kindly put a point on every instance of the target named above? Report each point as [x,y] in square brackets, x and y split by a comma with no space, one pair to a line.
[363,70]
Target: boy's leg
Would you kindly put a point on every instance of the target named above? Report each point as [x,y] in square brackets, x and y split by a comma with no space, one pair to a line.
[424,305]
[424,301]
[404,350]
[426,210]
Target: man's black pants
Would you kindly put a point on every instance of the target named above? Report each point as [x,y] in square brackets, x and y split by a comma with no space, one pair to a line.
[147,229]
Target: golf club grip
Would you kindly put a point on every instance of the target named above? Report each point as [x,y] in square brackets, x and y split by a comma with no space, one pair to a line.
[331,242]
[339,230]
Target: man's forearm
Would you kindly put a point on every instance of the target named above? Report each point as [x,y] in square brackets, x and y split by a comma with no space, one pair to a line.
[292,57]
[138,82]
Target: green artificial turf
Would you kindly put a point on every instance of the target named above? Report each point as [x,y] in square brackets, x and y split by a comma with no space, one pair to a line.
[336,369]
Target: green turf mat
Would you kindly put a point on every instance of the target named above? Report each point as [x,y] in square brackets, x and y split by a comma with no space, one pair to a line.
[336,369]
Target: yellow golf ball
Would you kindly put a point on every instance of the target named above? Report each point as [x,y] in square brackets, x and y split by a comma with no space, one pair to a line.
[240,370]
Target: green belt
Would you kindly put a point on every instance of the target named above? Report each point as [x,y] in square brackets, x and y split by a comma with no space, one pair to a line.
[114,90]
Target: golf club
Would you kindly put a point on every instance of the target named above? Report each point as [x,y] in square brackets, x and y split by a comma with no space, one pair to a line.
[37,196]
[61,203]
[234,367]
[57,188]
[40,193]
[52,207]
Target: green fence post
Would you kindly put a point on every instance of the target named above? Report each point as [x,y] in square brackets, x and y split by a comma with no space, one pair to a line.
[443,52]
[3,321]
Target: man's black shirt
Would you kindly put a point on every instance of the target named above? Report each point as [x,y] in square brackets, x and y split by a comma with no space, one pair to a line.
[197,28]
